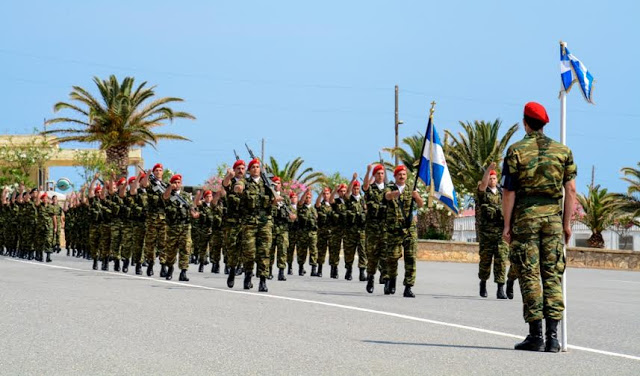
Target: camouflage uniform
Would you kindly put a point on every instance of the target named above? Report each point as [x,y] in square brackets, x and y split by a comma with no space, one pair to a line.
[257,226]
[536,169]
[324,231]
[178,232]
[490,227]
[201,232]
[338,223]
[217,235]
[375,229]
[280,241]
[308,235]
[118,215]
[232,228]
[105,231]
[28,231]
[399,238]
[44,228]
[95,219]
[354,238]
[57,210]
[133,232]
[293,240]
[155,227]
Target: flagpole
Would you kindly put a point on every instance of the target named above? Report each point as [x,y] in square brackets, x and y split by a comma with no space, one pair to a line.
[563,140]
[431,185]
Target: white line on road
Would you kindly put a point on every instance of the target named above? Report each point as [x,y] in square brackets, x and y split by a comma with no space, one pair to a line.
[622,280]
[335,305]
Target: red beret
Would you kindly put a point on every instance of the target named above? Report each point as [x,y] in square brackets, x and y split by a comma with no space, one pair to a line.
[253,162]
[239,162]
[342,186]
[43,195]
[157,165]
[356,183]
[276,179]
[98,188]
[493,172]
[142,175]
[377,168]
[121,181]
[536,111]
[292,194]
[174,178]
[326,189]
[207,193]
[132,179]
[398,169]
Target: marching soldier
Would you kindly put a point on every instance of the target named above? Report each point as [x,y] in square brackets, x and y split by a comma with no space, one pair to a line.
[293,233]
[232,219]
[216,242]
[280,241]
[95,214]
[325,212]
[308,236]
[338,222]
[375,228]
[354,239]
[210,216]
[57,209]
[46,226]
[133,234]
[399,238]
[155,220]
[535,171]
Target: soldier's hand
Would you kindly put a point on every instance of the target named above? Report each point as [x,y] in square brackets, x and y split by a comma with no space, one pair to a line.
[230,173]
[292,217]
[369,167]
[355,176]
[567,234]
[395,194]
[415,195]
[174,187]
[506,235]
[96,176]
[492,166]
[238,188]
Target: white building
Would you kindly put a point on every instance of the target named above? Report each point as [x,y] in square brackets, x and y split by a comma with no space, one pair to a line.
[464,230]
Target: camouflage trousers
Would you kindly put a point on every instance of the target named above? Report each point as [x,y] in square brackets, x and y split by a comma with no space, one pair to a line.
[178,243]
[105,240]
[536,254]
[335,244]
[133,241]
[376,252]
[354,240]
[44,240]
[155,237]
[94,240]
[256,246]
[233,244]
[11,237]
[398,244]
[279,245]
[492,250]
[324,238]
[116,239]
[201,237]
[56,234]
[293,242]
[216,242]
[308,243]
[27,238]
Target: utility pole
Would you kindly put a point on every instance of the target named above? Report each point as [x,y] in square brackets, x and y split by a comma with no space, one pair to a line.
[397,122]
[262,153]
[593,175]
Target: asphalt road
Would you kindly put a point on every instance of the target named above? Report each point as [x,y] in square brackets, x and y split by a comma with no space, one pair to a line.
[65,319]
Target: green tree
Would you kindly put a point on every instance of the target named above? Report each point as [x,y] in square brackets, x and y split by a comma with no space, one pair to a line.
[124,116]
[90,162]
[629,203]
[599,209]
[332,180]
[410,154]
[19,159]
[293,171]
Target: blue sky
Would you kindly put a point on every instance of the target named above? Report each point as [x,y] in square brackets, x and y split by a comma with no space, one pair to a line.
[317,80]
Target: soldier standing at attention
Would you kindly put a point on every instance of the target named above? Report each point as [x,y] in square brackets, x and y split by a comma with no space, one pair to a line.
[354,238]
[489,203]
[45,226]
[232,227]
[57,209]
[339,217]
[535,171]
[95,221]
[375,228]
[400,238]
[155,224]
[308,235]
[293,232]
[323,207]
[179,227]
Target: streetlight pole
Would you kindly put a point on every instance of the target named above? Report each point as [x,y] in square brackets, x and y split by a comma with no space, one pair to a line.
[397,122]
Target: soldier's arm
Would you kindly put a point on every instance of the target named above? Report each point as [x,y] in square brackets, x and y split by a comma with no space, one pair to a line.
[227,178]
[196,200]
[332,198]
[365,185]
[484,183]
[419,201]
[123,190]
[508,201]
[218,195]
[350,187]
[569,202]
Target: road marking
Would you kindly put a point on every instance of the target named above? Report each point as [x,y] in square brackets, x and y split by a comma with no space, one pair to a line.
[326,304]
[622,280]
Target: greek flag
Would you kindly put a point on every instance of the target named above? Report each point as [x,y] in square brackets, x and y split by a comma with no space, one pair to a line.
[572,70]
[433,161]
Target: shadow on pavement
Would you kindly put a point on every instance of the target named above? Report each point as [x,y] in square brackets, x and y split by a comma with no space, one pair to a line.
[436,345]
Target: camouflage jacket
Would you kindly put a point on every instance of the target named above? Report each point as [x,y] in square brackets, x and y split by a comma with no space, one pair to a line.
[339,212]
[397,209]
[355,216]
[255,202]
[280,216]
[307,218]
[231,203]
[376,206]
[325,212]
[177,213]
[489,206]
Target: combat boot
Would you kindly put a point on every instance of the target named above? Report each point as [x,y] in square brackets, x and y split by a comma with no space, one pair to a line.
[319,273]
[95,264]
[301,270]
[48,257]
[500,294]
[392,286]
[387,286]
[314,270]
[201,268]
[226,269]
[149,269]
[270,272]
[382,280]
[125,265]
[334,271]
[138,269]
[290,269]
[551,334]
[215,268]
[262,287]
[483,289]
[347,275]
[231,277]
[163,271]
[247,280]
[510,289]
[363,275]
[116,265]
[39,256]
[534,341]
[408,293]
[169,273]
[183,275]
[281,276]
[240,271]
[69,252]
[370,283]
[105,264]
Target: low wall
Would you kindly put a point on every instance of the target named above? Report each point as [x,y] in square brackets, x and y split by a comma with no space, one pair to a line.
[450,251]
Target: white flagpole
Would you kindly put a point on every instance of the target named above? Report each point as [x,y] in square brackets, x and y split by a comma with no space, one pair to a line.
[563,140]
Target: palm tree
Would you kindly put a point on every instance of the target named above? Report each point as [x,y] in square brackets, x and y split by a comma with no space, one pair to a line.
[469,154]
[122,117]
[410,156]
[292,171]
[630,203]
[600,210]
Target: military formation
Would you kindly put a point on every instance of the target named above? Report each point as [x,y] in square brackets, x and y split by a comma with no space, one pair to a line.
[251,224]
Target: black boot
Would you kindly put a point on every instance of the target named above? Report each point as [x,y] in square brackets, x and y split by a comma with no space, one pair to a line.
[48,257]
[247,280]
[290,269]
[301,270]
[95,264]
[483,289]
[145,263]
[281,276]
[370,283]
[314,270]
[183,275]
[319,273]
[226,269]
[125,265]
[363,275]
[105,264]
[240,271]
[69,253]
[387,286]
[138,269]
[500,294]
[347,275]
[334,271]
[382,280]
[201,268]
[231,278]
[534,341]
[39,256]
[163,271]
[116,265]
[149,269]
[551,334]
[169,273]
[262,287]
[510,289]
[408,293]
[270,272]
[392,286]
[215,268]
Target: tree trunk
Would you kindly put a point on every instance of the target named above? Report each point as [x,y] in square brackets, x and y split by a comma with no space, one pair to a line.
[118,156]
[596,240]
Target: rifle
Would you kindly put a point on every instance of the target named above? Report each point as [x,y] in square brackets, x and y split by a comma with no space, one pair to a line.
[236,154]
[386,178]
[160,187]
[267,181]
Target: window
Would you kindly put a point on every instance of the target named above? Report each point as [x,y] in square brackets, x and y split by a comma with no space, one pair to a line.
[472,240]
[625,242]
[582,241]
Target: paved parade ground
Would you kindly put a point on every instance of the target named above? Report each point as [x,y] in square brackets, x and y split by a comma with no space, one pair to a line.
[64,318]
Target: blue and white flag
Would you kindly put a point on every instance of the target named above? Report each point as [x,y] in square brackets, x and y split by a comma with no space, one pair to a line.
[433,160]
[572,70]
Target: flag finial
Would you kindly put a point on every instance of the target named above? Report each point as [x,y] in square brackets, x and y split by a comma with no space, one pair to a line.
[433,109]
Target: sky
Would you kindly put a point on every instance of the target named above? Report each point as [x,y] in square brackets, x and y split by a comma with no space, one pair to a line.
[316,80]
